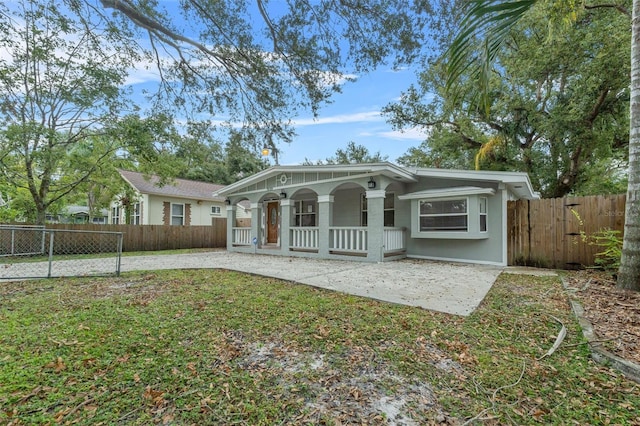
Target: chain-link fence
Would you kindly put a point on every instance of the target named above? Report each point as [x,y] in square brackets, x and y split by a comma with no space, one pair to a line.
[37,252]
[21,240]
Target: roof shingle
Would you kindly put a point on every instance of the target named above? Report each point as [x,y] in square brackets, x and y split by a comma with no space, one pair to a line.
[180,188]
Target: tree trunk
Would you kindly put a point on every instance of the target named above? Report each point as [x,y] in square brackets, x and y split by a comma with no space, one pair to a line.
[41,215]
[629,272]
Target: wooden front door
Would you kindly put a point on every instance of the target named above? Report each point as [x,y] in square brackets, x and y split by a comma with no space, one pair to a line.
[272,222]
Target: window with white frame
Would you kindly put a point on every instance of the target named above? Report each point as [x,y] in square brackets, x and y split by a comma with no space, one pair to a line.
[443,215]
[177,214]
[115,215]
[304,213]
[482,209]
[364,217]
[135,217]
[215,210]
[389,210]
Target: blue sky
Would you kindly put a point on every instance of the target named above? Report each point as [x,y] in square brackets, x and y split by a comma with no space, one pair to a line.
[355,116]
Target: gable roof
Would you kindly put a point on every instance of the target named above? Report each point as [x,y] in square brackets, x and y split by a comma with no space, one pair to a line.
[179,188]
[388,169]
[517,182]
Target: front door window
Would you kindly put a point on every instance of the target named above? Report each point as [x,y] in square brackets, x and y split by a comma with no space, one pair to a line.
[272,222]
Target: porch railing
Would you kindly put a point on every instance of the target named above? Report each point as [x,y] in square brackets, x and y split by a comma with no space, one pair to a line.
[394,239]
[242,236]
[304,238]
[348,239]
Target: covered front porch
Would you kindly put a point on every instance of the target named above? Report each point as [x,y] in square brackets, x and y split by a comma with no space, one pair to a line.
[351,219]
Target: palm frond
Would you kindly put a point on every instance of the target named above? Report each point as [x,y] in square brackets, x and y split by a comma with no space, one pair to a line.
[490,21]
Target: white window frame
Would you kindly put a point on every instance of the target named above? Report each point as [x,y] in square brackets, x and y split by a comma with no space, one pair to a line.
[135,214]
[389,196]
[298,212]
[216,210]
[115,215]
[364,210]
[483,204]
[172,215]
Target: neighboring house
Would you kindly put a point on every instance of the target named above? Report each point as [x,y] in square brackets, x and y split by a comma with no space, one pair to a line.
[78,214]
[180,202]
[375,212]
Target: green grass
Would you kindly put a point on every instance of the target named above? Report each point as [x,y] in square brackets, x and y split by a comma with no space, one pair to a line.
[217,347]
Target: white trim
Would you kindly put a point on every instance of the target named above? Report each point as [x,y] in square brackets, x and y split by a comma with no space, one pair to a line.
[456,191]
[182,217]
[449,259]
[505,255]
[326,198]
[276,188]
[286,202]
[377,193]
[362,170]
[255,205]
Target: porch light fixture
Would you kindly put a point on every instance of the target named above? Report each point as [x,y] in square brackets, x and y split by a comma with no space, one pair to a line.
[227,201]
[371,184]
[283,194]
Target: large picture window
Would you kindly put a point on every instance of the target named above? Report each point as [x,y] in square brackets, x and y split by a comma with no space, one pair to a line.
[304,213]
[444,215]
[177,214]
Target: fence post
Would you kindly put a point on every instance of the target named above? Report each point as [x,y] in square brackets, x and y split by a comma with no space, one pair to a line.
[13,241]
[43,239]
[119,257]
[50,252]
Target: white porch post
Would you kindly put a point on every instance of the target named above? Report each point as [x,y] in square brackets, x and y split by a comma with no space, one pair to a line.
[375,224]
[256,218]
[285,223]
[231,223]
[325,217]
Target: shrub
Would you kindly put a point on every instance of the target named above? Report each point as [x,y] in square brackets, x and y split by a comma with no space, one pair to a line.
[611,242]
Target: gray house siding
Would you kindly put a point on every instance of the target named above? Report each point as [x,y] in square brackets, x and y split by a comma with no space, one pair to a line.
[485,250]
[489,250]
[392,229]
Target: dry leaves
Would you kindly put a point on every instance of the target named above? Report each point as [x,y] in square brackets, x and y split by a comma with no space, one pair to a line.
[614,313]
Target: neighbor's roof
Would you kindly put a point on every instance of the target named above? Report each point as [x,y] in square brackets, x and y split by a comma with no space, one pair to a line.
[179,188]
[75,209]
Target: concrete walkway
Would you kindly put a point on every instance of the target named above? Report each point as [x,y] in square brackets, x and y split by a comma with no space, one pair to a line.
[445,287]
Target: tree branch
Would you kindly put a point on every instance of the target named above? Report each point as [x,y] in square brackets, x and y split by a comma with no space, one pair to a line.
[617,7]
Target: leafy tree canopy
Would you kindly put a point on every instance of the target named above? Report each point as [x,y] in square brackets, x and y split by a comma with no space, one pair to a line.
[253,63]
[559,105]
[352,154]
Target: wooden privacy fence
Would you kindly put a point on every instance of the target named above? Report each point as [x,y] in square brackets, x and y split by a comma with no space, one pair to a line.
[162,237]
[551,232]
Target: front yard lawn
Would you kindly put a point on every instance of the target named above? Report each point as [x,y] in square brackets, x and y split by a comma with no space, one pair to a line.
[220,347]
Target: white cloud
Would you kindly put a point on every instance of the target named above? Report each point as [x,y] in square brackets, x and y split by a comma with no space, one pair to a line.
[358,117]
[413,134]
[142,74]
